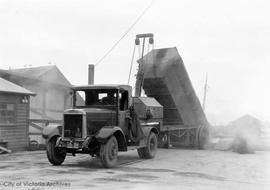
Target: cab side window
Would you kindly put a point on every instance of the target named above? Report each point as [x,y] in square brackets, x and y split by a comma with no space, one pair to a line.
[123,96]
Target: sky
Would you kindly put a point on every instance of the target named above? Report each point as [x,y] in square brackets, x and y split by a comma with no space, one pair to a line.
[229,40]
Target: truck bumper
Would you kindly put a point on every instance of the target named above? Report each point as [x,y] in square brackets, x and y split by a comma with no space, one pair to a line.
[74,144]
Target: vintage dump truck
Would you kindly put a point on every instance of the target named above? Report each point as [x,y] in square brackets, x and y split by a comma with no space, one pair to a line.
[109,120]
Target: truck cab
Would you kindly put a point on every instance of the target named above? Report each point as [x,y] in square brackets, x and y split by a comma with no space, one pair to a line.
[102,105]
[104,120]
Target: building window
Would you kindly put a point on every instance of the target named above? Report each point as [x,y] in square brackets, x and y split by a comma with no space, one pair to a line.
[7,114]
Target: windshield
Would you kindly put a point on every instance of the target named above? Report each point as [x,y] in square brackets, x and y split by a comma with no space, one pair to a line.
[98,98]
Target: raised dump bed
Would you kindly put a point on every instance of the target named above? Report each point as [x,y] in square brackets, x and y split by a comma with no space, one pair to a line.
[166,79]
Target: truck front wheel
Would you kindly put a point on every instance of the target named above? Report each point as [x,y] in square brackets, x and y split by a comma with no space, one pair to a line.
[55,155]
[109,152]
[151,147]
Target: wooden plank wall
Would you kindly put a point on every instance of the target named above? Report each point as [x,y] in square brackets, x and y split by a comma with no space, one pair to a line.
[16,135]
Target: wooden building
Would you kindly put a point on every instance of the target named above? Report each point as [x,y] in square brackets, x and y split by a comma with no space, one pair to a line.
[52,91]
[50,85]
[14,116]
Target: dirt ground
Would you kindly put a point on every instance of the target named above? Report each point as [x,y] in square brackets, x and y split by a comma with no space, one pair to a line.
[171,169]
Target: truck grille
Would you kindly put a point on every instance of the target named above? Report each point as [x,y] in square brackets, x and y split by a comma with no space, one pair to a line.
[73,126]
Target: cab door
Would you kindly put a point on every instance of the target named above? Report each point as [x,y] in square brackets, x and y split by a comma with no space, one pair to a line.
[123,110]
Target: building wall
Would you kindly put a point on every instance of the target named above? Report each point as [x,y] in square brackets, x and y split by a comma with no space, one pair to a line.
[49,102]
[16,135]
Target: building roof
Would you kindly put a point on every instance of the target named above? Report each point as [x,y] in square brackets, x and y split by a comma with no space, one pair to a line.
[9,87]
[50,74]
[32,72]
[246,120]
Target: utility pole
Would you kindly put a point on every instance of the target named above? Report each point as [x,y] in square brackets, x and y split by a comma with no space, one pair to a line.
[205,91]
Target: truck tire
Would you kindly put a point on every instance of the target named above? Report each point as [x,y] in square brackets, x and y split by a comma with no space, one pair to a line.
[55,155]
[202,137]
[151,147]
[109,152]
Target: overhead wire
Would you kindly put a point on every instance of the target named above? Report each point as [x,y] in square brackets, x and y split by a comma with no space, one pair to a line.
[129,29]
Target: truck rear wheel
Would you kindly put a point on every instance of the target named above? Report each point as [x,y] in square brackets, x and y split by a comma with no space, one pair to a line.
[151,147]
[109,152]
[55,155]
[202,137]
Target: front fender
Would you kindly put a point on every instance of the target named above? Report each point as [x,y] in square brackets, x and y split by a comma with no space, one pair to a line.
[51,130]
[107,131]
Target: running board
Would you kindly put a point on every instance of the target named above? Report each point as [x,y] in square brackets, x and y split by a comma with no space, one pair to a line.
[141,145]
[133,147]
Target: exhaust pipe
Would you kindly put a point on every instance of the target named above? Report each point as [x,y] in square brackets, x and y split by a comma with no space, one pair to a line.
[91,73]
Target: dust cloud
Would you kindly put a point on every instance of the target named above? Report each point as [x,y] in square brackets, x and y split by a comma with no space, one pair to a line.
[245,135]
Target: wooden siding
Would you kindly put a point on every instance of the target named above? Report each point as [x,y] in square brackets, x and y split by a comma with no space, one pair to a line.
[16,135]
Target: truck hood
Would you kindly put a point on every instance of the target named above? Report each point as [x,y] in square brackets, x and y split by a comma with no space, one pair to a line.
[96,118]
